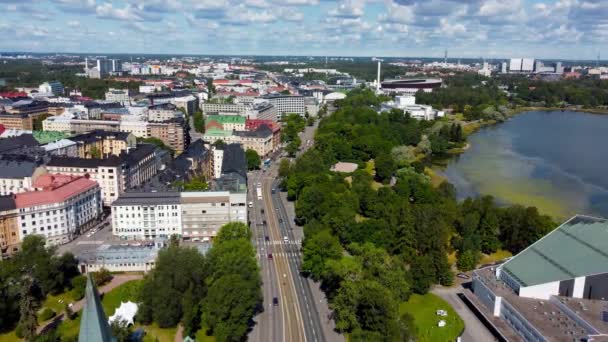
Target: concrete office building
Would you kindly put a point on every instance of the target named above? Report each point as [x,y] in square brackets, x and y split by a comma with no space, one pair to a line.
[122,96]
[54,87]
[164,112]
[554,290]
[287,104]
[263,111]
[261,140]
[146,215]
[194,216]
[223,109]
[63,207]
[204,213]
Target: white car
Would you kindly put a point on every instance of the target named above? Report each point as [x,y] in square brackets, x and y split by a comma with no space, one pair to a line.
[285,238]
[250,204]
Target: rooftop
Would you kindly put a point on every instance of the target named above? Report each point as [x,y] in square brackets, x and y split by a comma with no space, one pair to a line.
[45,137]
[55,188]
[214,132]
[584,238]
[136,198]
[17,167]
[344,167]
[12,143]
[226,119]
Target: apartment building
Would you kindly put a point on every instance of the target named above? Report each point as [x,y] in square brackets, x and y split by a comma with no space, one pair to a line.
[104,143]
[17,121]
[164,112]
[63,207]
[9,226]
[194,216]
[173,133]
[114,174]
[260,140]
[18,174]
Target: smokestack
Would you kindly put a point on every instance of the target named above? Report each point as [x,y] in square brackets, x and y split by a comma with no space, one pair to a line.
[86,64]
[378,82]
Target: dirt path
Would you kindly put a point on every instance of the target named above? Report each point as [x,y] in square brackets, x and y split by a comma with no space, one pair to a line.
[118,280]
[178,334]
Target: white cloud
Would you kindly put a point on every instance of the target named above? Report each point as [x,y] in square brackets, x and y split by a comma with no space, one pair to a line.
[73,23]
[107,11]
[348,9]
[397,14]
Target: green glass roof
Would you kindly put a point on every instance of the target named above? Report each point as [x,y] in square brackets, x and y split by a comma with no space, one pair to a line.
[577,248]
[214,132]
[45,137]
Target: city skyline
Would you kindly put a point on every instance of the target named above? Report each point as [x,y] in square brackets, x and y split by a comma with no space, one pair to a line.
[567,29]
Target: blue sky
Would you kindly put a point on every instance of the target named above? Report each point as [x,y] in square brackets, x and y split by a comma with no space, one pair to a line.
[568,29]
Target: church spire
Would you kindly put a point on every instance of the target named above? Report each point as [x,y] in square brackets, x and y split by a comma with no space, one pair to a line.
[94,325]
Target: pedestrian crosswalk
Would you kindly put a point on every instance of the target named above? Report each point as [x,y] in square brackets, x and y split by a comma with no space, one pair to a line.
[279,242]
[289,255]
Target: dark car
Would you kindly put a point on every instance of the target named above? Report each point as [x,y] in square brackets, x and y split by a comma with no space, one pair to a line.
[275,301]
[266,238]
[280,220]
[269,255]
[264,222]
[262,211]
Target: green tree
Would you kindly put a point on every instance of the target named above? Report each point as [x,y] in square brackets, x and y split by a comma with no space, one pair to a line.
[467,260]
[78,287]
[191,319]
[199,121]
[317,249]
[37,122]
[385,167]
[95,153]
[233,231]
[29,305]
[103,276]
[253,159]
[284,168]
[293,147]
[121,330]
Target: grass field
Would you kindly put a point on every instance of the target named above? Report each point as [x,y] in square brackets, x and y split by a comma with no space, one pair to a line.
[9,337]
[201,336]
[436,179]
[124,293]
[496,256]
[423,309]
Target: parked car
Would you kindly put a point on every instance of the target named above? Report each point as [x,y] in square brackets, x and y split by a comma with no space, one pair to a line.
[269,255]
[266,238]
[463,276]
[275,301]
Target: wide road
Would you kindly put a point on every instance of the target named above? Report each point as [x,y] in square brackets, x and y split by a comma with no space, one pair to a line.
[270,323]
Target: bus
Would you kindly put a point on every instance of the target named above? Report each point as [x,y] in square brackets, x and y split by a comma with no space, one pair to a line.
[259,192]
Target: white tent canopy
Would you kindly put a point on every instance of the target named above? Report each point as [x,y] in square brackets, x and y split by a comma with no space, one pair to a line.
[126,312]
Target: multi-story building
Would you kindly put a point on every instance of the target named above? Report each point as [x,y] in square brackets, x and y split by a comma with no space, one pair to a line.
[225,122]
[287,104]
[114,174]
[146,215]
[189,103]
[263,111]
[16,121]
[204,213]
[54,87]
[223,109]
[554,290]
[9,226]
[254,125]
[33,108]
[164,112]
[192,215]
[260,140]
[18,174]
[103,143]
[61,209]
[63,147]
[173,133]
[122,96]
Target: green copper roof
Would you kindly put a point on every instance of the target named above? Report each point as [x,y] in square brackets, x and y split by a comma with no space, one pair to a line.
[577,248]
[214,132]
[94,325]
[45,137]
[226,119]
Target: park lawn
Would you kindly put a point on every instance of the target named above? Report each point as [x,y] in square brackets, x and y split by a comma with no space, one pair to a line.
[9,337]
[57,303]
[128,291]
[423,308]
[154,333]
[201,336]
[69,330]
[496,256]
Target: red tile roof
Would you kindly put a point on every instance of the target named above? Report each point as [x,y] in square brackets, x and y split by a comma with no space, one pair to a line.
[13,94]
[55,188]
[253,124]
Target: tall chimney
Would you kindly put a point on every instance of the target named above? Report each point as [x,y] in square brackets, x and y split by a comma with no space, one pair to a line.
[378,82]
